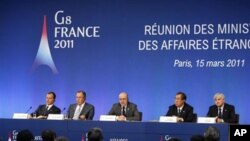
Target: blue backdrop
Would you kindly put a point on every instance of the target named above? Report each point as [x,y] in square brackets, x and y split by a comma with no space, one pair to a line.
[112,62]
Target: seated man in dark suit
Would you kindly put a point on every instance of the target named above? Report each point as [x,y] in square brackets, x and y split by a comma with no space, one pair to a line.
[43,111]
[125,110]
[182,110]
[81,110]
[221,110]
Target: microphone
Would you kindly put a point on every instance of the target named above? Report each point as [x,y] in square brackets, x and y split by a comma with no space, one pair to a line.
[65,113]
[63,110]
[29,109]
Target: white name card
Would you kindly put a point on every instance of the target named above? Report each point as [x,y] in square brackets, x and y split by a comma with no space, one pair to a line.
[20,116]
[168,119]
[107,118]
[206,120]
[55,117]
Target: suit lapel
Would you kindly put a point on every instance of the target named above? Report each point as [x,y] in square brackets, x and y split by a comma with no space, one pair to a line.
[119,110]
[183,110]
[84,108]
[73,110]
[216,112]
[224,114]
[45,110]
[175,111]
[127,113]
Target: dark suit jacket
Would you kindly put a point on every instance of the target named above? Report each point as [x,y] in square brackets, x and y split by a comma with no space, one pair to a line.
[186,112]
[131,111]
[228,114]
[42,111]
[88,111]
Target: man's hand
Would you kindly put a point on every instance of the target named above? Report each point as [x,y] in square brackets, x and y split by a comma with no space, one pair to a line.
[121,118]
[180,119]
[29,117]
[41,117]
[82,117]
[219,120]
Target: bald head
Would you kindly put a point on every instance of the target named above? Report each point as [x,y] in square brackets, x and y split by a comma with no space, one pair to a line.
[123,98]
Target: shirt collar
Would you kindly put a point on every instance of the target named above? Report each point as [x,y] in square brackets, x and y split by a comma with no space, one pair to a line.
[49,106]
[180,107]
[82,105]
[222,107]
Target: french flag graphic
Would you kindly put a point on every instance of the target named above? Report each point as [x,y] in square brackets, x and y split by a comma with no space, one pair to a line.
[161,138]
[82,137]
[9,138]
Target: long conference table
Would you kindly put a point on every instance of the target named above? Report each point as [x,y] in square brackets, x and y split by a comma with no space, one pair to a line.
[75,130]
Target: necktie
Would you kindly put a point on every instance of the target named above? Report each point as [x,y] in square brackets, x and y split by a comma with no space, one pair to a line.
[123,111]
[178,112]
[77,113]
[220,113]
[46,110]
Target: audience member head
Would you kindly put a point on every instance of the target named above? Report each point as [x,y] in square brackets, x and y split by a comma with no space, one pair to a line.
[48,135]
[197,138]
[25,135]
[62,138]
[212,134]
[95,134]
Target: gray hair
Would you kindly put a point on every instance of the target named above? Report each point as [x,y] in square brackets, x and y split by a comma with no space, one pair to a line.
[123,92]
[212,134]
[219,95]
